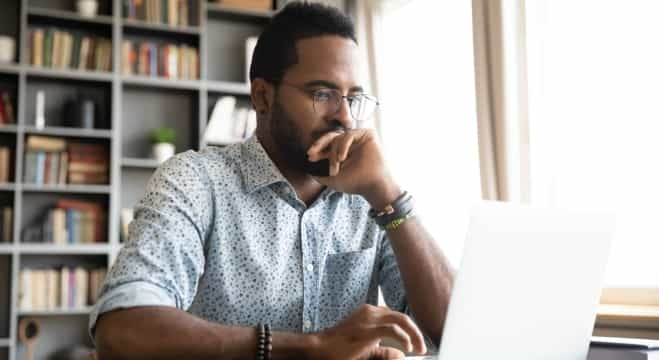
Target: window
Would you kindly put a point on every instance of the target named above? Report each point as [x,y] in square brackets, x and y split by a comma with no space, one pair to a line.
[594,121]
[429,125]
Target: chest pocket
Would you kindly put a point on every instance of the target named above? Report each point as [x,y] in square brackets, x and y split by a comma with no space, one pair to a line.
[345,284]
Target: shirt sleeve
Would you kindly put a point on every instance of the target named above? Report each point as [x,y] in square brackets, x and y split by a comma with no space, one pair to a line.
[391,284]
[163,259]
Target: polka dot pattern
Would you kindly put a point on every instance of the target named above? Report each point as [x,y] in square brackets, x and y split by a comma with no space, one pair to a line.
[221,234]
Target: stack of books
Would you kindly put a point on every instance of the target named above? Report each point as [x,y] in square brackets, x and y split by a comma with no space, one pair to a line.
[170,12]
[6,223]
[54,161]
[61,288]
[60,49]
[7,115]
[5,164]
[88,164]
[165,60]
[69,222]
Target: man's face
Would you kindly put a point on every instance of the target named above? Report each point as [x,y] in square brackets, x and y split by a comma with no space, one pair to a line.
[327,62]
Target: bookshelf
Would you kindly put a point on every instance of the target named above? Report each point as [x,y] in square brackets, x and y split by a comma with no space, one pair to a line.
[127,108]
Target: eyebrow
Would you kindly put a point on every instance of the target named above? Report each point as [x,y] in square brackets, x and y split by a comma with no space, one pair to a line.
[331,85]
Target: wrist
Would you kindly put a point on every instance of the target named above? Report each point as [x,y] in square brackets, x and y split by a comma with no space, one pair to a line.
[382,194]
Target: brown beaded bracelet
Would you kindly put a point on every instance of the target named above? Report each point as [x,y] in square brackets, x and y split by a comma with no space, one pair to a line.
[264,343]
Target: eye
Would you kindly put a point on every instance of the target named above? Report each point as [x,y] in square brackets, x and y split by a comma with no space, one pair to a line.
[322,95]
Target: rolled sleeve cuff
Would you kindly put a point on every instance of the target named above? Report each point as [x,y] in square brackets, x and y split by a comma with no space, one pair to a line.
[133,294]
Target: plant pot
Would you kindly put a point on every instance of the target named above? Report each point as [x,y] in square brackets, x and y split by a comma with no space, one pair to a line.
[87,8]
[163,151]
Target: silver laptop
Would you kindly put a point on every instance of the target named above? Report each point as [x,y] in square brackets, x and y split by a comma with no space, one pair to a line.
[528,284]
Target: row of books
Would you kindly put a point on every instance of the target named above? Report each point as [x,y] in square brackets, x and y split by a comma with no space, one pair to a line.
[6,223]
[69,222]
[5,164]
[166,60]
[62,288]
[7,115]
[61,49]
[55,161]
[170,12]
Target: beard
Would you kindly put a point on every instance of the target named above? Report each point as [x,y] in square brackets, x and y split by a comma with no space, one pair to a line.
[289,138]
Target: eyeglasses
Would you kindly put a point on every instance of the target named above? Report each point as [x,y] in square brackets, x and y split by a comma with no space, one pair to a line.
[327,102]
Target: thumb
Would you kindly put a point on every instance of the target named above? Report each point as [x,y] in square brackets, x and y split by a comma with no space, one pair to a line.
[386,353]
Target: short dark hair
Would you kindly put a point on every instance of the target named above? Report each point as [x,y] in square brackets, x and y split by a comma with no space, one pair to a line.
[276,50]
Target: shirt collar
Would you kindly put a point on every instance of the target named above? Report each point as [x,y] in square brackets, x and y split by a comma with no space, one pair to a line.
[260,171]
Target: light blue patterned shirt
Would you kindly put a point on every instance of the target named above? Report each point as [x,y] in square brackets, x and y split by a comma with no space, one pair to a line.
[221,234]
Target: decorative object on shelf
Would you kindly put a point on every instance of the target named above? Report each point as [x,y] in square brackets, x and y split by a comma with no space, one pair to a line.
[250,44]
[258,5]
[28,333]
[7,49]
[80,113]
[229,124]
[163,139]
[87,8]
[40,117]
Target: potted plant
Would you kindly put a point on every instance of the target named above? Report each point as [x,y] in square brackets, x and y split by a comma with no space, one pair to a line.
[163,143]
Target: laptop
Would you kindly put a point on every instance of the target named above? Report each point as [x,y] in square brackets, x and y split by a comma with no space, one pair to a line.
[528,284]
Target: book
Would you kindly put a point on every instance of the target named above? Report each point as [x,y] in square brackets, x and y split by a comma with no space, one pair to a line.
[7,224]
[9,114]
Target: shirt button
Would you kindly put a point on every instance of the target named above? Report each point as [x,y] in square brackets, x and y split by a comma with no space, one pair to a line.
[309,268]
[307,324]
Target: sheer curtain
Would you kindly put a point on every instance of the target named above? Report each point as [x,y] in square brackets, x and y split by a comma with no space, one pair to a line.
[428,113]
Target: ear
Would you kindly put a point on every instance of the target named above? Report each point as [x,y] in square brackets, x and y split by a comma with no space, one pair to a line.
[263,96]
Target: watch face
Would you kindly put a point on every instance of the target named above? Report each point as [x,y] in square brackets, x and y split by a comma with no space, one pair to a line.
[318,168]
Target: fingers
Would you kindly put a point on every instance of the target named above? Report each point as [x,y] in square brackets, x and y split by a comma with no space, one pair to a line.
[404,321]
[319,149]
[387,353]
[392,331]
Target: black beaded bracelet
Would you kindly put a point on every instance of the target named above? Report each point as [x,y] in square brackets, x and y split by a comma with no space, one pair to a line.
[398,209]
[264,343]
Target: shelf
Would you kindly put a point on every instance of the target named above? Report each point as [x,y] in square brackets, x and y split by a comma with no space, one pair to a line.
[139,163]
[130,24]
[11,68]
[69,74]
[84,249]
[72,189]
[230,12]
[70,132]
[5,342]
[7,186]
[8,129]
[228,87]
[159,82]
[69,16]
[6,248]
[56,312]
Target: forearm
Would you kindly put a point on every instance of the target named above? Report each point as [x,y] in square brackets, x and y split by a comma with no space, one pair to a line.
[427,275]
[167,333]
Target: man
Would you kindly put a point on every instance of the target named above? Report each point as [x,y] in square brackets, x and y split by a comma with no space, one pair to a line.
[227,239]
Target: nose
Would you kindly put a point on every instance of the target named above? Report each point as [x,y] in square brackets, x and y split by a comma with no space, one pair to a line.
[343,116]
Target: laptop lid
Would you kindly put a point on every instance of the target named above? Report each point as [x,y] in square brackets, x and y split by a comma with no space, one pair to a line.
[528,284]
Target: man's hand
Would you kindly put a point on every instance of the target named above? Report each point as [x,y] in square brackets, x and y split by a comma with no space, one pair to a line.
[358,336]
[356,165]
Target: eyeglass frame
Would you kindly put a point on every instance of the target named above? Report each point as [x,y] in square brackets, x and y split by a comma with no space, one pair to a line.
[348,98]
